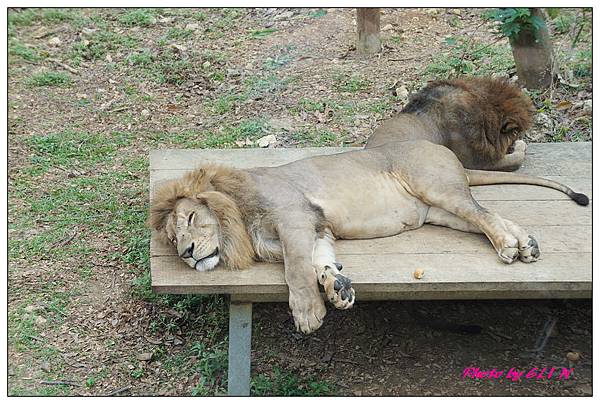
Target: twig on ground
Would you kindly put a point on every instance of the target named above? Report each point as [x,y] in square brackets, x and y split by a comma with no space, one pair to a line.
[61,383]
[63,65]
[118,391]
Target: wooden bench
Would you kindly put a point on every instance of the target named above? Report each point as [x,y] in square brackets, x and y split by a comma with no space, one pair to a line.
[457,265]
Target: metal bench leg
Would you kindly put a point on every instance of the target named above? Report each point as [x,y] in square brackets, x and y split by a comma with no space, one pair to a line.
[240,336]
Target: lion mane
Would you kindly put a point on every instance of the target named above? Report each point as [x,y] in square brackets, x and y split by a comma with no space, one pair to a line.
[218,188]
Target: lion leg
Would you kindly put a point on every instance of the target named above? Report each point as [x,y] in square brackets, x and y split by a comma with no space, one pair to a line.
[338,287]
[298,242]
[440,217]
[445,185]
[509,240]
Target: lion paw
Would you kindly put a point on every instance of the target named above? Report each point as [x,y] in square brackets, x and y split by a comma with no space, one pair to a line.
[518,244]
[308,311]
[519,147]
[338,287]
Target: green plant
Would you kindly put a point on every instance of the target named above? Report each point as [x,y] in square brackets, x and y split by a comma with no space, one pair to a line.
[286,384]
[140,17]
[262,33]
[16,48]
[318,13]
[90,382]
[514,20]
[49,79]
[350,83]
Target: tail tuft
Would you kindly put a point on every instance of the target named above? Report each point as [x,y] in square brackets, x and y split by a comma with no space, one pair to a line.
[581,199]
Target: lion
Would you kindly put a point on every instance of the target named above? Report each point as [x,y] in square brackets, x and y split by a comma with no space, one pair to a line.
[479,119]
[295,212]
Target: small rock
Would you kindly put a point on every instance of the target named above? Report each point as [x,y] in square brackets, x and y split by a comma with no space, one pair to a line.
[81,96]
[587,106]
[179,48]
[145,357]
[284,15]
[456,11]
[111,81]
[31,308]
[85,42]
[419,272]
[573,357]
[266,141]
[145,113]
[130,367]
[192,26]
[87,31]
[432,11]
[45,366]
[39,320]
[388,27]
[108,58]
[166,20]
[55,41]
[402,92]
[206,65]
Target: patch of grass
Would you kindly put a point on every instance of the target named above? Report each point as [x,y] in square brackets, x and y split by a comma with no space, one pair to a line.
[101,43]
[49,79]
[142,58]
[212,362]
[70,148]
[262,33]
[48,16]
[287,384]
[16,48]
[261,85]
[223,104]
[141,17]
[318,13]
[350,83]
[581,63]
[179,33]
[563,22]
[315,137]
[474,58]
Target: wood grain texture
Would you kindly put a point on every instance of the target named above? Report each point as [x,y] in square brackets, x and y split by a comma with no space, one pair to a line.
[457,265]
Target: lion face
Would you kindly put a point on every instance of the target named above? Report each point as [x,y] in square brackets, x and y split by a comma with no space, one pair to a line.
[194,230]
[199,215]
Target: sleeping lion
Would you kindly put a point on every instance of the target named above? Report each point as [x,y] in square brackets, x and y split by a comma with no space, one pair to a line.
[479,118]
[296,211]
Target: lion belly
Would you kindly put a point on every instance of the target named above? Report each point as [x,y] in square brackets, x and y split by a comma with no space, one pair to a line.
[372,207]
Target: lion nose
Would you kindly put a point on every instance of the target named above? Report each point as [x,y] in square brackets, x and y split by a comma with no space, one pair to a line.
[188,252]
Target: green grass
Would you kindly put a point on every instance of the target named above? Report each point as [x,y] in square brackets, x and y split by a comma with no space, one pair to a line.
[473,58]
[16,48]
[262,33]
[287,384]
[176,33]
[318,13]
[30,16]
[101,43]
[49,79]
[315,137]
[140,17]
[350,83]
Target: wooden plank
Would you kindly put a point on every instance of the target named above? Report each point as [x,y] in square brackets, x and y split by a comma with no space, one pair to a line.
[545,159]
[473,274]
[438,240]
[481,193]
[457,265]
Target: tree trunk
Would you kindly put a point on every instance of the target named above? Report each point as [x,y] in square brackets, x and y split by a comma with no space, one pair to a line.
[533,55]
[367,26]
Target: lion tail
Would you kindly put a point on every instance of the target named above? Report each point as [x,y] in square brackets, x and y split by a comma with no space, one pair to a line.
[481,177]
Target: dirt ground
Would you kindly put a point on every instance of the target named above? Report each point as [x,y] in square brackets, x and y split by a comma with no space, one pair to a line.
[92,91]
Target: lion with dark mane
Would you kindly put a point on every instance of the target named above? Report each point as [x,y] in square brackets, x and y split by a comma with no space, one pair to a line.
[480,119]
[296,211]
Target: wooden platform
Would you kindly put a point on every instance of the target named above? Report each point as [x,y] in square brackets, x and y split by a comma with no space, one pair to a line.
[457,265]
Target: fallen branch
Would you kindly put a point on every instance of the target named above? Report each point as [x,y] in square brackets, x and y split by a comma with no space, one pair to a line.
[118,391]
[61,383]
[63,65]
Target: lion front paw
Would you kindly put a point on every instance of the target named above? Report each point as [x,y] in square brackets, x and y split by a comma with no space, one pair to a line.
[338,287]
[308,311]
